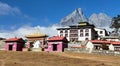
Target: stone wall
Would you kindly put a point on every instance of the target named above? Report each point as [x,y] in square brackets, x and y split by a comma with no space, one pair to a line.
[100,52]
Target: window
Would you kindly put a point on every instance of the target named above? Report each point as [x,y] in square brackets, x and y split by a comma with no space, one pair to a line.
[86,30]
[96,32]
[101,32]
[73,39]
[81,34]
[73,31]
[86,34]
[73,35]
[66,35]
[66,31]
[81,30]
[86,38]
[61,31]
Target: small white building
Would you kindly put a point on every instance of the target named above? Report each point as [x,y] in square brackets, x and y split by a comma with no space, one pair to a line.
[101,32]
[111,47]
[2,43]
[89,46]
[98,45]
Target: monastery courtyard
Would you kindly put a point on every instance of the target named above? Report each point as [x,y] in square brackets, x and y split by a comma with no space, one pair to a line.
[10,58]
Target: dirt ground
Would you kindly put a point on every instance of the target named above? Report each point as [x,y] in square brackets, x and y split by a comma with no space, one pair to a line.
[56,59]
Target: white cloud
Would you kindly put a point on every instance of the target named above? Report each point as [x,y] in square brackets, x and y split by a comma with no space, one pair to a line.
[6,35]
[6,9]
[25,30]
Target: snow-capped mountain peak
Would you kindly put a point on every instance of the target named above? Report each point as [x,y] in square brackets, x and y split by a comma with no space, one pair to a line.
[100,20]
[73,18]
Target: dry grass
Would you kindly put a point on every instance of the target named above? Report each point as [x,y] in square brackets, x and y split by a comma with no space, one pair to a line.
[55,59]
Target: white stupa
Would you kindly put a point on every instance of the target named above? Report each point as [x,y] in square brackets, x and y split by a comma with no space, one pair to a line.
[37,44]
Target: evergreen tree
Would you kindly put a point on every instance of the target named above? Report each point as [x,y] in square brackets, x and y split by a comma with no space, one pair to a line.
[115,24]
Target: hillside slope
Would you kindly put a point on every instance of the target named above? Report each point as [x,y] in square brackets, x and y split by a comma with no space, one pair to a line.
[55,59]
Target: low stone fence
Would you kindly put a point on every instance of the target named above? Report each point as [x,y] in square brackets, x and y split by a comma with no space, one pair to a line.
[72,44]
[106,52]
[100,52]
[76,50]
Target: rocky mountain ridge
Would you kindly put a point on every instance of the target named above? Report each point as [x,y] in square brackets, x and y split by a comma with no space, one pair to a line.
[99,20]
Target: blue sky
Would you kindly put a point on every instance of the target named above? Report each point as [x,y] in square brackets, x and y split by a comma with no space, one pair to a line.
[17,13]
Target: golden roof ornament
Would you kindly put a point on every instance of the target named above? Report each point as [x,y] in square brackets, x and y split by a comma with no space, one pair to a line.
[36,34]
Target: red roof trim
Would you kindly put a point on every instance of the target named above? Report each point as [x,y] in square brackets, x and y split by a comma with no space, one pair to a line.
[57,38]
[115,42]
[100,41]
[14,39]
[105,42]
